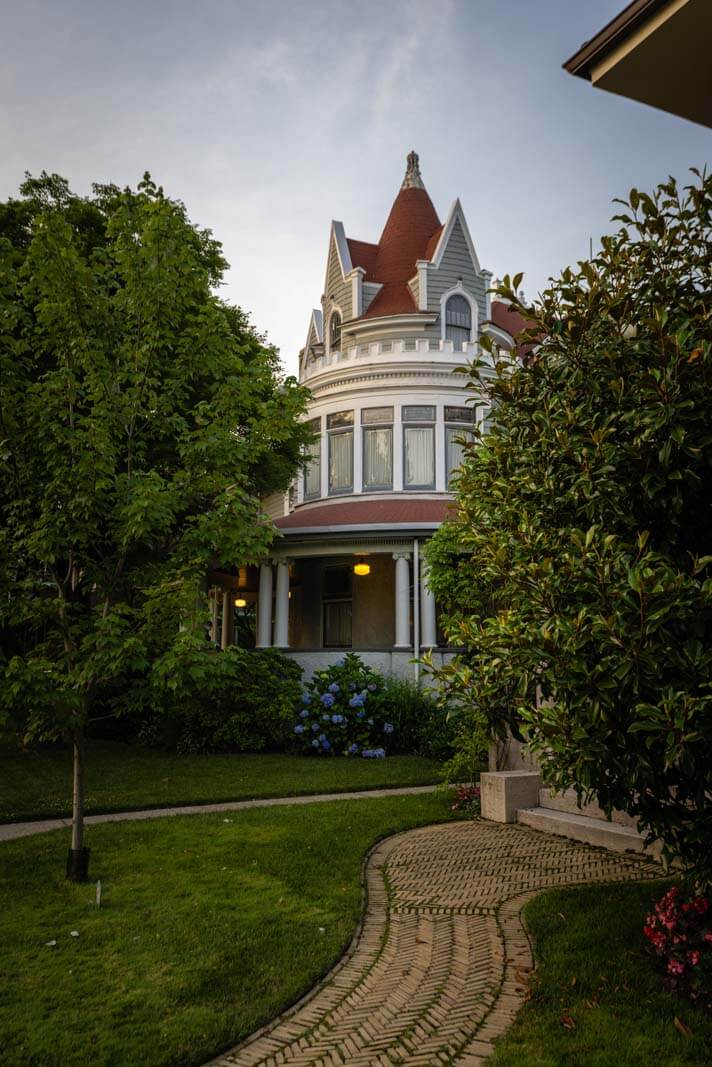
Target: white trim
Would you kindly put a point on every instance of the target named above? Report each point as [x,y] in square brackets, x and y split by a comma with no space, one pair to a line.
[487,276]
[422,265]
[357,276]
[454,214]
[316,320]
[459,290]
[394,322]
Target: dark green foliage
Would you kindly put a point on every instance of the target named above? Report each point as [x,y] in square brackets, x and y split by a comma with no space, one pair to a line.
[422,725]
[342,712]
[231,701]
[577,576]
[141,420]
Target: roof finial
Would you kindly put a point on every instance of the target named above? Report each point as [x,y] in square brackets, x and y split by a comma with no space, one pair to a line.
[412,178]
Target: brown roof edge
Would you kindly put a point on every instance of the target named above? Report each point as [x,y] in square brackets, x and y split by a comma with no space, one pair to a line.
[624,23]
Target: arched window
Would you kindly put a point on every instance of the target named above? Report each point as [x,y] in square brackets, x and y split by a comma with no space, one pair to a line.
[335,332]
[458,320]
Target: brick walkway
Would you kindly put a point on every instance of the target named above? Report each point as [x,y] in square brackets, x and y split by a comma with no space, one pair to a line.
[438,969]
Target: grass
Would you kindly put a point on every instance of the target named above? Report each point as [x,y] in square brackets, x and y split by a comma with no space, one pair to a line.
[208,927]
[121,777]
[592,967]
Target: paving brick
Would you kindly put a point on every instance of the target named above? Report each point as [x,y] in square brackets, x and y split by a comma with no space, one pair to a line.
[436,972]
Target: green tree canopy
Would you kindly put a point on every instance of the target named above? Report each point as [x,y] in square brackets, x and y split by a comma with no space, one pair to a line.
[577,576]
[141,420]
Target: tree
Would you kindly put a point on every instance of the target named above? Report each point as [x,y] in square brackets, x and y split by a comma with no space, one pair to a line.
[141,420]
[577,576]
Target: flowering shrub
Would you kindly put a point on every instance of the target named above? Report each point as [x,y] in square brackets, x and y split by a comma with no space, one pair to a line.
[467,799]
[680,931]
[343,712]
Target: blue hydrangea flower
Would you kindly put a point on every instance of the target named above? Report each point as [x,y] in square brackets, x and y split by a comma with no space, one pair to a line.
[339,662]
[334,687]
[326,717]
[322,737]
[299,729]
[315,727]
[304,713]
[372,687]
[388,727]
[356,702]
[360,714]
[306,698]
[327,699]
[315,743]
[337,719]
[374,753]
[326,745]
[353,749]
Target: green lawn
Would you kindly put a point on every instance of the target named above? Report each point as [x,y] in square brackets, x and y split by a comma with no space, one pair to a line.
[123,777]
[592,967]
[209,925]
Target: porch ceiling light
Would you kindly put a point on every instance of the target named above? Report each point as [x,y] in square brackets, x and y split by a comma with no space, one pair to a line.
[240,602]
[362,569]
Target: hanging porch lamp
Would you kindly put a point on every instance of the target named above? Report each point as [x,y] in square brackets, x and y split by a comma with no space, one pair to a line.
[362,569]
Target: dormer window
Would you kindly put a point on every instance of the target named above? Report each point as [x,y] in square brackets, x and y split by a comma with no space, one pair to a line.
[458,320]
[335,332]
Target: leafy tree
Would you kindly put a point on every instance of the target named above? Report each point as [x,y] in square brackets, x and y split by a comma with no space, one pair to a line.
[577,576]
[141,420]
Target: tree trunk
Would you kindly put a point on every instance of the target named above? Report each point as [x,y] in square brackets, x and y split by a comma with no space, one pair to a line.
[78,859]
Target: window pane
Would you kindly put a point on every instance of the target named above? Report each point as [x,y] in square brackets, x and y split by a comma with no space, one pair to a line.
[454,439]
[335,335]
[376,415]
[337,582]
[337,624]
[341,461]
[457,312]
[312,474]
[378,458]
[339,418]
[459,414]
[419,457]
[418,413]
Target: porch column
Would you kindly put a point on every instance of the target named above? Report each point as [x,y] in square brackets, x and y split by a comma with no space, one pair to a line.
[402,600]
[428,623]
[226,636]
[281,608]
[264,607]
[214,615]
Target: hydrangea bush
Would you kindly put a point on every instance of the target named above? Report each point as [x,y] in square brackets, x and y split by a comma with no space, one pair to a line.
[680,931]
[343,712]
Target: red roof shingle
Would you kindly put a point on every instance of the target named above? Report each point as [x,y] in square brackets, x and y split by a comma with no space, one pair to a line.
[367,513]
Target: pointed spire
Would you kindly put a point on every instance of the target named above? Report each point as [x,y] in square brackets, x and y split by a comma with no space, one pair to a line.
[412,178]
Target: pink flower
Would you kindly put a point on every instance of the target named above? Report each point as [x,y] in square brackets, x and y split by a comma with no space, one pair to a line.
[708,935]
[693,957]
[700,904]
[675,967]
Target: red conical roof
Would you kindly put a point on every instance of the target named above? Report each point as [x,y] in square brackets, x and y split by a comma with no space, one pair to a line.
[407,237]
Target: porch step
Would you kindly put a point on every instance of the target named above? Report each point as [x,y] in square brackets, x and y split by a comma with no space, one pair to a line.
[568,802]
[592,831]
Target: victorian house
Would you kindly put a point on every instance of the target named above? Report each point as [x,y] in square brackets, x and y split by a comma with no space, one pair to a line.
[397,318]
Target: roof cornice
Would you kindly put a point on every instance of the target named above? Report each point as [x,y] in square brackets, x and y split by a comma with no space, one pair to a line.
[591,52]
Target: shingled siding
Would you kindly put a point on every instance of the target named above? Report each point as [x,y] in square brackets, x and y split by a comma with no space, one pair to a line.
[337,288]
[456,263]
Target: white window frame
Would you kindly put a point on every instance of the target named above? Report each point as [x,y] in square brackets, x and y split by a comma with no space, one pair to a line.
[459,290]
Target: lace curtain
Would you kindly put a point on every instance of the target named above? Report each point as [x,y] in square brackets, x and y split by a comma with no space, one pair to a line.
[419,457]
[378,458]
[341,461]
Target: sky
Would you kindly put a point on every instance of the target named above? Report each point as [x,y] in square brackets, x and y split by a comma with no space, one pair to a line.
[269,118]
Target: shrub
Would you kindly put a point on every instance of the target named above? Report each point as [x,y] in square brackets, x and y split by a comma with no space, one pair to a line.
[343,712]
[680,932]
[422,725]
[467,799]
[230,701]
[577,576]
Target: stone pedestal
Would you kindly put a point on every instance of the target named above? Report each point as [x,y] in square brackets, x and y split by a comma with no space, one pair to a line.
[503,793]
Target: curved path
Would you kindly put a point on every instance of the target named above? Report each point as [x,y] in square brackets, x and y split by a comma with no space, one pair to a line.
[438,968]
